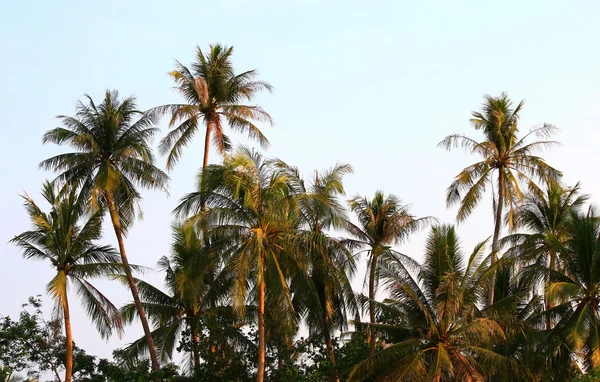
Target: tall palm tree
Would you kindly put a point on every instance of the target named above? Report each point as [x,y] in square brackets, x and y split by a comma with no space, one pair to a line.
[507,162]
[519,309]
[281,327]
[575,285]
[251,204]
[329,298]
[446,336]
[383,222]
[547,219]
[112,158]
[187,298]
[214,95]
[66,238]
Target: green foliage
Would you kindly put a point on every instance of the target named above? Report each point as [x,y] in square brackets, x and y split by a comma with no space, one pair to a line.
[36,347]
[575,286]
[592,376]
[307,360]
[31,343]
[446,336]
[139,372]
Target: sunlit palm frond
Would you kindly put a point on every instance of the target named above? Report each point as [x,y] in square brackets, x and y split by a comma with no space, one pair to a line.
[436,307]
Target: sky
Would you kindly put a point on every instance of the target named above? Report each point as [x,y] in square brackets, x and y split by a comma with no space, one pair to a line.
[375,84]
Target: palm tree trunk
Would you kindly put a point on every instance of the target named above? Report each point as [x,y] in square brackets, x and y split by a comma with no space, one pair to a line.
[204,222]
[69,341]
[280,356]
[260,374]
[206,144]
[322,294]
[196,346]
[371,337]
[496,238]
[114,216]
[205,164]
[329,344]
[549,304]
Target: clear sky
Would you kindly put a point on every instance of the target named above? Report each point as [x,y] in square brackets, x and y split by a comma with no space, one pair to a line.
[377,84]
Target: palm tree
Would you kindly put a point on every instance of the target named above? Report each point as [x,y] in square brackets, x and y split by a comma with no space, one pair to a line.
[507,162]
[215,95]
[575,286]
[188,297]
[547,218]
[112,158]
[65,237]
[252,206]
[329,298]
[383,222]
[445,335]
[281,327]
[519,310]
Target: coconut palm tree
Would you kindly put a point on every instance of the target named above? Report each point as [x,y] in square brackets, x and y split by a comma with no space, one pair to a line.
[188,296]
[519,309]
[214,96]
[547,220]
[65,237]
[329,298]
[252,205]
[507,163]
[281,328]
[575,286]
[383,222]
[112,158]
[445,335]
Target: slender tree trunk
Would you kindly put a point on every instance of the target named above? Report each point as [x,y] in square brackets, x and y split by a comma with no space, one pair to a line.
[205,165]
[206,144]
[547,301]
[280,356]
[372,333]
[329,344]
[260,374]
[319,271]
[204,222]
[203,196]
[495,240]
[196,346]
[69,341]
[114,215]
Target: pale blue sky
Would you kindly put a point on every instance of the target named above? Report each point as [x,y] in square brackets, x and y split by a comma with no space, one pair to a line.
[377,84]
